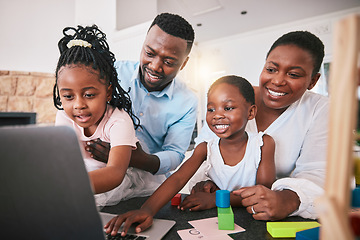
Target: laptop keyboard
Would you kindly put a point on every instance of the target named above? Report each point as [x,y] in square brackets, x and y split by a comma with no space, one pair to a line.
[127,237]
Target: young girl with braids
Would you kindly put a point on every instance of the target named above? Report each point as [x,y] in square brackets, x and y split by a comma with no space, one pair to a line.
[91,101]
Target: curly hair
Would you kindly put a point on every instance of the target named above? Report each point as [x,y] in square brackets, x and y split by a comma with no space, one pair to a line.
[306,41]
[241,83]
[175,25]
[99,57]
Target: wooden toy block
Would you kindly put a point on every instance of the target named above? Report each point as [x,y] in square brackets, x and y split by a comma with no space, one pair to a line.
[288,229]
[308,234]
[223,198]
[176,200]
[225,218]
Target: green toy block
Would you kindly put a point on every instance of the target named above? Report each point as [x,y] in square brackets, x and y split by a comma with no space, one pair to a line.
[225,218]
[288,229]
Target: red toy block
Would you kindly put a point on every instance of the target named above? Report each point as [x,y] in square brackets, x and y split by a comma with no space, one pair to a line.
[176,200]
[355,224]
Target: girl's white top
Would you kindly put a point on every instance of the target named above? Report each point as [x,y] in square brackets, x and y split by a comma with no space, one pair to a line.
[243,174]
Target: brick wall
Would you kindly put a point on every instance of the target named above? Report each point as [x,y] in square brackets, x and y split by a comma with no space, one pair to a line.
[28,92]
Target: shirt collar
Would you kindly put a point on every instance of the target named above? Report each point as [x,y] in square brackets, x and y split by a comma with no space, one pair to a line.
[167,91]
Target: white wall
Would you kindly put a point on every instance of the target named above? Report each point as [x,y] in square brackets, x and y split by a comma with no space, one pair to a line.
[125,44]
[244,54]
[30,31]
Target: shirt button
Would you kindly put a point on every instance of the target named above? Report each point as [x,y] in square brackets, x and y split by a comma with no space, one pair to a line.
[141,114]
[139,130]
[148,94]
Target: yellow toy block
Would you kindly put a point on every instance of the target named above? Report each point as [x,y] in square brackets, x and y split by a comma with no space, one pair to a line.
[288,229]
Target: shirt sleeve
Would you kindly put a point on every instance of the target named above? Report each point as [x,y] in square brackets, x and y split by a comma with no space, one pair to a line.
[308,177]
[122,133]
[205,135]
[177,141]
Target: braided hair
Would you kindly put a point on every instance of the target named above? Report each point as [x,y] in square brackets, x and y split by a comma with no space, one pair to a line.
[97,55]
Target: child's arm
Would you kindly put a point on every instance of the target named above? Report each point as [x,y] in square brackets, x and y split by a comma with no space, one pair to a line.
[161,196]
[266,173]
[111,176]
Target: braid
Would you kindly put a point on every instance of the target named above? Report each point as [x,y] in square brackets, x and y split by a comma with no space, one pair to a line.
[99,57]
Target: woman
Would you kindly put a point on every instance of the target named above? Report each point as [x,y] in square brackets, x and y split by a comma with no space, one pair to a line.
[297,119]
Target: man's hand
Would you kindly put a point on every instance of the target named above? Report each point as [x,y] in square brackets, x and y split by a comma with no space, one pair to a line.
[266,204]
[98,150]
[199,201]
[143,160]
[205,186]
[142,217]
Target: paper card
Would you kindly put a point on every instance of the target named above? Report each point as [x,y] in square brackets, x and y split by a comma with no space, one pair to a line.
[193,234]
[209,227]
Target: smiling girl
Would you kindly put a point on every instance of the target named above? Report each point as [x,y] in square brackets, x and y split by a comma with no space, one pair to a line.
[236,159]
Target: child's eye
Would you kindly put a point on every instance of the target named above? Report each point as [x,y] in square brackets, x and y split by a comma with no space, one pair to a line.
[228,108]
[210,109]
[68,97]
[89,95]
[294,75]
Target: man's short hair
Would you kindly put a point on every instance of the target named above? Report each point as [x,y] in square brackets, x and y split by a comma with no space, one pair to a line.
[175,25]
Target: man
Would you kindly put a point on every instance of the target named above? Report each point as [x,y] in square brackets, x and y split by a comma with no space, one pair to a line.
[165,106]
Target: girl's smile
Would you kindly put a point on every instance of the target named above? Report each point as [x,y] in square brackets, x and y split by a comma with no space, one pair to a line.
[228,111]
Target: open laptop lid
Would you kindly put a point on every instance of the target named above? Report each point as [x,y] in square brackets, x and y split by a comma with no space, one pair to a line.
[45,191]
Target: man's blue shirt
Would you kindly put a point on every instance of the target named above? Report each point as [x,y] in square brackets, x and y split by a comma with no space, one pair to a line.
[167,117]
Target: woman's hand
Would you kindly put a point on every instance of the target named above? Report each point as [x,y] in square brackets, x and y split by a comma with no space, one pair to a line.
[266,204]
[199,201]
[142,217]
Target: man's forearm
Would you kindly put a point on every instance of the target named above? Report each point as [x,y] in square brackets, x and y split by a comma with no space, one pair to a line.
[146,162]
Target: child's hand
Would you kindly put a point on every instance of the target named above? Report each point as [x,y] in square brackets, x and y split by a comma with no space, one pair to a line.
[199,201]
[135,216]
[98,149]
[205,186]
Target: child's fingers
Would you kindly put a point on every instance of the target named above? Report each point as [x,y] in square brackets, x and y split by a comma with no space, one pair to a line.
[188,203]
[113,226]
[195,208]
[145,222]
[144,225]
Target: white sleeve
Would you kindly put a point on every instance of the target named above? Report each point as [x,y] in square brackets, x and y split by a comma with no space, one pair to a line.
[205,135]
[308,177]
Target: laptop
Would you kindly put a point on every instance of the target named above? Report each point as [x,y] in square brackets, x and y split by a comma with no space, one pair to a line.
[45,191]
